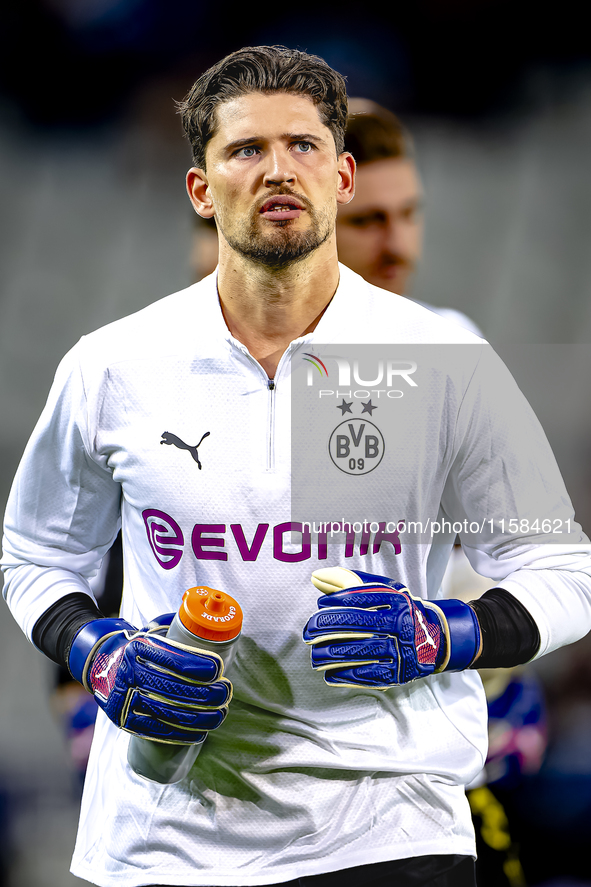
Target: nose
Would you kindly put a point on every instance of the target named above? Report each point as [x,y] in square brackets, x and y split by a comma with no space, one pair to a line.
[397,239]
[279,169]
[391,236]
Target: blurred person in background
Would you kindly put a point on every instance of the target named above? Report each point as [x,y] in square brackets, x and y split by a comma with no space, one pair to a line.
[380,233]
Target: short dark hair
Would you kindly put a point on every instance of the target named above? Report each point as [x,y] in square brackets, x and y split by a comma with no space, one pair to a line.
[263,69]
[375,133]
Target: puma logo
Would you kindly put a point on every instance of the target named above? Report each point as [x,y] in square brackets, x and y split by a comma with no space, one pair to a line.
[428,639]
[173,440]
[110,661]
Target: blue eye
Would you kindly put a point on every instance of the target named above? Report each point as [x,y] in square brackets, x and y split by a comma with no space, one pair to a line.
[249,151]
[305,147]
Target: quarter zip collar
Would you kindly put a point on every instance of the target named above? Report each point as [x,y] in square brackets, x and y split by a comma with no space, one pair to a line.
[330,319]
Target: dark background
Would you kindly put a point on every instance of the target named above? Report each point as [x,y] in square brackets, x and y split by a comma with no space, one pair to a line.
[76,61]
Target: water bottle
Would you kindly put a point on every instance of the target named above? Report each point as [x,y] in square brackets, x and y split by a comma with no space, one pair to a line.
[209,620]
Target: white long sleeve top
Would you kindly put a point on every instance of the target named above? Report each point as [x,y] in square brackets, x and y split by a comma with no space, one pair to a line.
[302,778]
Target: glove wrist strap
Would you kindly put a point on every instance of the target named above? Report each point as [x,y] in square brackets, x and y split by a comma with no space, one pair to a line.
[86,642]
[463,636]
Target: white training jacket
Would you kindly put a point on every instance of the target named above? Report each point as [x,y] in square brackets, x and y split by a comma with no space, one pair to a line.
[302,778]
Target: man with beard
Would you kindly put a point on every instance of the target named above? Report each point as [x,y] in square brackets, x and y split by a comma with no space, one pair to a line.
[358,777]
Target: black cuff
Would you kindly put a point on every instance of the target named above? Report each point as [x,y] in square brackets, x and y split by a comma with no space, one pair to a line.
[56,629]
[509,634]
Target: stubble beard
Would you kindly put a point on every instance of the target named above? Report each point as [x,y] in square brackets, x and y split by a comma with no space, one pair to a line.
[279,245]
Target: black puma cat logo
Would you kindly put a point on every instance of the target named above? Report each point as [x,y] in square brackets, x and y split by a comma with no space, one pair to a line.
[173,440]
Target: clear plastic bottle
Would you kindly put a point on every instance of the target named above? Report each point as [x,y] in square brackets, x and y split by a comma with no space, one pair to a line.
[209,620]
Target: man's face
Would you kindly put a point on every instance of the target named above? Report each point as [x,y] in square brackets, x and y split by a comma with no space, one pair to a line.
[379,234]
[273,177]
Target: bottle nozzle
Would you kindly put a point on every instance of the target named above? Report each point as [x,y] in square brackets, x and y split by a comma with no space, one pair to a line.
[215,602]
[210,613]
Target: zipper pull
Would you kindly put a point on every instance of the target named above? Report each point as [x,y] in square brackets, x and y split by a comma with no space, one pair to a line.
[270,384]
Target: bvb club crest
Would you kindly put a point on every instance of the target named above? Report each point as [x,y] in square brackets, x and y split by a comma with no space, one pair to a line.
[356,446]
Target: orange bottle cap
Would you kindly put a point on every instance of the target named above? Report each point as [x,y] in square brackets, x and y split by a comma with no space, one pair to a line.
[210,614]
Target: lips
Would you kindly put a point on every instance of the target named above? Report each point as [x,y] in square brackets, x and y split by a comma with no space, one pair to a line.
[281,208]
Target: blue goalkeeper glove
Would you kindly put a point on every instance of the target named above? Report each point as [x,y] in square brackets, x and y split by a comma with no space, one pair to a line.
[371,632]
[149,685]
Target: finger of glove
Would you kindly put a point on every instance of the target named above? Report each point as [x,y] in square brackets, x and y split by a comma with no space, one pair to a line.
[395,621]
[372,578]
[191,665]
[354,652]
[378,676]
[181,717]
[174,688]
[381,675]
[369,598]
[333,579]
[401,667]
[152,727]
[160,623]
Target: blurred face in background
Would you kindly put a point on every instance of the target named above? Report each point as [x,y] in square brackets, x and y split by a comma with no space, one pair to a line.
[380,233]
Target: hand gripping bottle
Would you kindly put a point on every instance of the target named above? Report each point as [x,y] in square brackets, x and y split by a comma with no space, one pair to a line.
[208,620]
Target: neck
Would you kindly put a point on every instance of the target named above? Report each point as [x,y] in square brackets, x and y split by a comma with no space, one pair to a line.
[267,308]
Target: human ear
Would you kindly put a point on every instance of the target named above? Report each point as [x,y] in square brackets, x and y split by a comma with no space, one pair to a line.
[199,193]
[346,181]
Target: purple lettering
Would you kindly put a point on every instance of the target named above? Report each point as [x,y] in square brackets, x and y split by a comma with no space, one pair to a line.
[289,527]
[166,539]
[198,541]
[164,535]
[365,536]
[350,543]
[382,536]
[249,554]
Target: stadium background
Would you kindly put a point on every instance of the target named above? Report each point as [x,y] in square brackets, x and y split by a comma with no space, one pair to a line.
[96,224]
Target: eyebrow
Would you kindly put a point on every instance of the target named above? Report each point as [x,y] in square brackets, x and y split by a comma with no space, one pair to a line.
[290,136]
[372,208]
